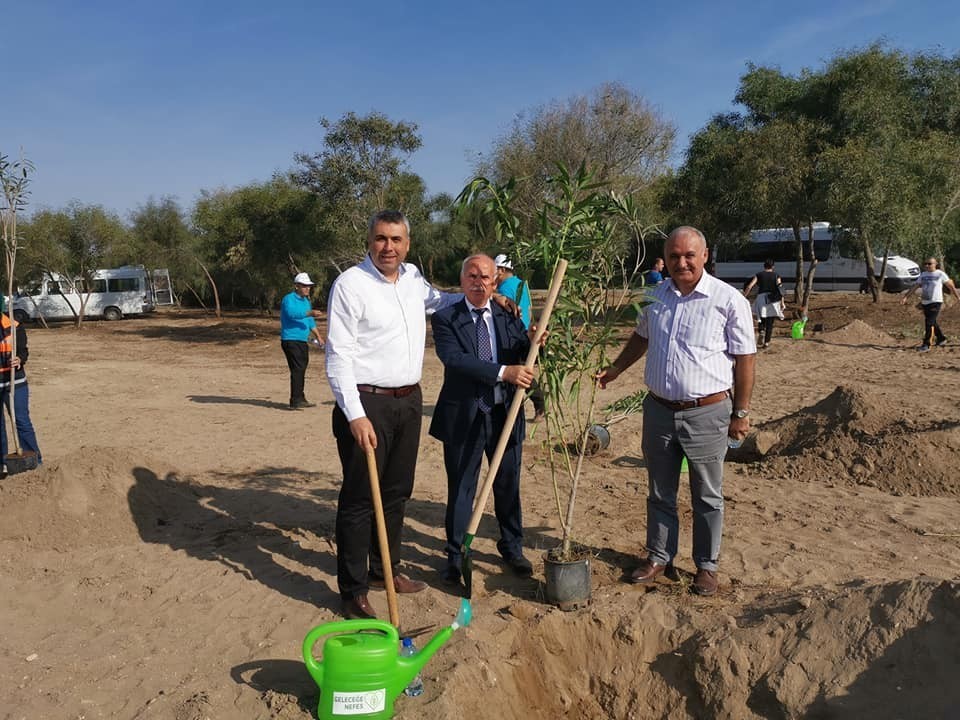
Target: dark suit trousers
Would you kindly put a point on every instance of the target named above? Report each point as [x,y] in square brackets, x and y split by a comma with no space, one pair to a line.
[462,463]
[397,424]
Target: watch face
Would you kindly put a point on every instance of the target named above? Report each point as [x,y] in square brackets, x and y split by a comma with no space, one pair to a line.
[741,413]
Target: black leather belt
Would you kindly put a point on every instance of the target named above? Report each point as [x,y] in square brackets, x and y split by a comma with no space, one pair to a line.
[397,392]
[689,404]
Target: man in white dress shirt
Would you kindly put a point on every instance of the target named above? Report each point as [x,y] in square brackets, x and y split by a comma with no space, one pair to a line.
[699,371]
[376,328]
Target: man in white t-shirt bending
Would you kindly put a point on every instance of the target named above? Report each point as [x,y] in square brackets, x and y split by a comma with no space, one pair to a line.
[931,283]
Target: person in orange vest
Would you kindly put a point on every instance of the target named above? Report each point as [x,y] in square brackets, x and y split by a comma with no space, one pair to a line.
[21,393]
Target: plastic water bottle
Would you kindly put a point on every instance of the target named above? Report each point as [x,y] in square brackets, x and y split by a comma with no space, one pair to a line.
[733,443]
[416,685]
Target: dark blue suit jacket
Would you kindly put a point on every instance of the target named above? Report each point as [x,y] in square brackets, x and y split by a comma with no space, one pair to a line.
[455,336]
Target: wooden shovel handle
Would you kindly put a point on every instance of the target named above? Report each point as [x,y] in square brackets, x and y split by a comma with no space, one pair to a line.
[518,398]
[382,538]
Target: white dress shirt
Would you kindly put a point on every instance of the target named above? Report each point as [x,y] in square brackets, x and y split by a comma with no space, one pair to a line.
[376,330]
[692,338]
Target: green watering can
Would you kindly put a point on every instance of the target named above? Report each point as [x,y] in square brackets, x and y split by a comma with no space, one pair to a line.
[796,330]
[362,671]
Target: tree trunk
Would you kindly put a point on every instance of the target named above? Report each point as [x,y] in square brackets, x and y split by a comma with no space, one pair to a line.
[798,290]
[213,285]
[868,259]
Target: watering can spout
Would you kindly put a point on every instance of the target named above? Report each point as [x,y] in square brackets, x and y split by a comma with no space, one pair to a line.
[410,666]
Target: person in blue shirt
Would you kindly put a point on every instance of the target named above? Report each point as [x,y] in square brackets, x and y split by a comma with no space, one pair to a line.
[654,276]
[510,286]
[297,324]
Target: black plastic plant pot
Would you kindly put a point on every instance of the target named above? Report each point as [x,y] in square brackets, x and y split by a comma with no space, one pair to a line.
[568,583]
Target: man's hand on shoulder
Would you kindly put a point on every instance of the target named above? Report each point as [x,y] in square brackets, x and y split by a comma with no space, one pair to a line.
[506,303]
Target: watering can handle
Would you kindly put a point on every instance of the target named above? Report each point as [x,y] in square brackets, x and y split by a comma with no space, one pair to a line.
[341,626]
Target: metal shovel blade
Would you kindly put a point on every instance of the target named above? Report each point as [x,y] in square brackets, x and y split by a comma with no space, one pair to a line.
[466,566]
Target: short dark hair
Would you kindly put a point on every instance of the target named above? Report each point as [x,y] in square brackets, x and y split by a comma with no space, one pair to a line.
[768,263]
[393,217]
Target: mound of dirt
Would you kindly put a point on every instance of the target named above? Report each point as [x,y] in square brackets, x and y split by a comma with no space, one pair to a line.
[852,437]
[81,500]
[857,332]
[870,651]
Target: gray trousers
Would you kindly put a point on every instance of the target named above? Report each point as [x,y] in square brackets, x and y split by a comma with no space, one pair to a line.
[701,435]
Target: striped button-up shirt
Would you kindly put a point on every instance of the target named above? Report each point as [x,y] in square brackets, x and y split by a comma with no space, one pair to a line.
[691,339]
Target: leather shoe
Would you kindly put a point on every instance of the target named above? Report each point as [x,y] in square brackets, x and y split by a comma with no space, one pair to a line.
[705,582]
[358,608]
[646,572]
[301,404]
[401,583]
[520,565]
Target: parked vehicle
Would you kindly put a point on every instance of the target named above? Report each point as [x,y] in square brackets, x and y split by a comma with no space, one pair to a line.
[115,293]
[840,265]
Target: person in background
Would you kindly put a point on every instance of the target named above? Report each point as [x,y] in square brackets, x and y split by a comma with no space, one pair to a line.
[375,340]
[297,325]
[21,391]
[511,286]
[769,303]
[483,349]
[654,275]
[700,372]
[931,283]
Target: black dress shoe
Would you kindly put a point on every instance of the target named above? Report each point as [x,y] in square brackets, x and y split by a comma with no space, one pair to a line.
[301,404]
[451,575]
[520,565]
[358,608]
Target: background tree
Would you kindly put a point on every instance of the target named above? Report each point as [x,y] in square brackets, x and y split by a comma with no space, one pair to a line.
[616,132]
[361,169]
[74,243]
[14,182]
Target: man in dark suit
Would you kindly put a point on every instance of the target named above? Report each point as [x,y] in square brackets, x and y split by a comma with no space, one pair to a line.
[482,348]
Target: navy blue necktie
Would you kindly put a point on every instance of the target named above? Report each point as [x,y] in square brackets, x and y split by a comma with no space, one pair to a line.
[484,352]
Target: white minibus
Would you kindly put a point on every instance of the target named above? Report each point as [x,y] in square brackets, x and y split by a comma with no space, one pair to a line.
[839,266]
[114,294]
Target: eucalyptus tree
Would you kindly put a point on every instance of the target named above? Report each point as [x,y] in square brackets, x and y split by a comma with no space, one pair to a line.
[624,139]
[74,243]
[360,169]
[260,235]
[163,238]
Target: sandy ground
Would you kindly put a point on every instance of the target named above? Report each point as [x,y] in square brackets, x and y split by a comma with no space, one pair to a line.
[176,546]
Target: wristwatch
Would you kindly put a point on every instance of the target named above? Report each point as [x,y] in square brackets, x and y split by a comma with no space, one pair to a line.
[739,414]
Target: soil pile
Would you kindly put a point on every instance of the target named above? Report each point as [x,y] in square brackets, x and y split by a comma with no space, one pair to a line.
[83,499]
[850,437]
[857,332]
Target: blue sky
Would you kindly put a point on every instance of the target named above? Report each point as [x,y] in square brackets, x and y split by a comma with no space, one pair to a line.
[116,102]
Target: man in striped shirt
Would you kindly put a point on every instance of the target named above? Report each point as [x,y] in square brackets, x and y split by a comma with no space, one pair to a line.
[698,337]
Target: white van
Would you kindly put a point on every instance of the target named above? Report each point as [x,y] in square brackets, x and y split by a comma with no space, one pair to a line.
[116,293]
[840,265]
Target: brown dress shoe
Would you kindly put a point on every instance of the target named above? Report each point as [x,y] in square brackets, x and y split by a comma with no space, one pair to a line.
[401,583]
[646,572]
[705,583]
[358,608]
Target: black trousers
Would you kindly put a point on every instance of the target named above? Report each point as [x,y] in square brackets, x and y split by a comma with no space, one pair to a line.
[298,357]
[766,325]
[397,424]
[462,462]
[931,329]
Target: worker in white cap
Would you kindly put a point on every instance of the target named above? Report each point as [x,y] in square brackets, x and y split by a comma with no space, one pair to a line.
[297,325]
[510,286]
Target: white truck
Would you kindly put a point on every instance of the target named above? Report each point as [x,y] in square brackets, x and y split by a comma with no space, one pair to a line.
[115,293]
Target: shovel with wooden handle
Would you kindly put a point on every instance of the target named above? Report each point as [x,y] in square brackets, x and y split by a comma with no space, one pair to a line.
[382,538]
[466,563]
